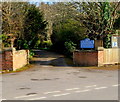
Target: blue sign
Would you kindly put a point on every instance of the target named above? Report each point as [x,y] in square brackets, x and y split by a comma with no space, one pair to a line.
[114,44]
[87,43]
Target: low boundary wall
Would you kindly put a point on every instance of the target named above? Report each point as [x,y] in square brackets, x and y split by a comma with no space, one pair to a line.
[97,58]
[10,59]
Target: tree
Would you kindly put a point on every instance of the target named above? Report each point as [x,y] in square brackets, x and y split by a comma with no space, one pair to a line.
[13,15]
[63,27]
[24,21]
[56,13]
[34,26]
[99,18]
[117,21]
[67,31]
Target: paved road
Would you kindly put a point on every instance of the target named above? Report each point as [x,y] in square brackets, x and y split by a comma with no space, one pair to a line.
[52,78]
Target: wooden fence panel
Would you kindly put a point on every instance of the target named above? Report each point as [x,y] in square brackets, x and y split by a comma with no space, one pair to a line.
[111,56]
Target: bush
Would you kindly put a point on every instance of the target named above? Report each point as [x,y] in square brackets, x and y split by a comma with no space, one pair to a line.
[70,47]
[31,54]
[47,44]
[5,40]
[107,41]
[21,44]
[36,43]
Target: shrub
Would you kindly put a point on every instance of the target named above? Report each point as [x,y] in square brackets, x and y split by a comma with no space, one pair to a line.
[21,44]
[70,47]
[31,54]
[5,40]
[47,44]
[37,44]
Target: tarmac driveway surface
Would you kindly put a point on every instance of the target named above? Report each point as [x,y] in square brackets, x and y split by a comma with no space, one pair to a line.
[52,78]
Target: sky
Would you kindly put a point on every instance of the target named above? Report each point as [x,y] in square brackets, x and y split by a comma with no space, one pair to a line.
[50,1]
[38,1]
[58,0]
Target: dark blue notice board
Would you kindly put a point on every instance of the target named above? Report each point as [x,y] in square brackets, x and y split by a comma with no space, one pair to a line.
[87,43]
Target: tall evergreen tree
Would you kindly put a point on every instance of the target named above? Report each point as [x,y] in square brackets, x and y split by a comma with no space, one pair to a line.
[35,25]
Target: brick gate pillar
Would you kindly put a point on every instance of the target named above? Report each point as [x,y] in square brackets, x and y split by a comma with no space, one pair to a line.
[7,59]
[100,58]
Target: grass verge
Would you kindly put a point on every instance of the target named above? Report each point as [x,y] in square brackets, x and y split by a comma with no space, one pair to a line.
[17,70]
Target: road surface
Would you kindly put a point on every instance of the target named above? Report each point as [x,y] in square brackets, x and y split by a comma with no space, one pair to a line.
[51,78]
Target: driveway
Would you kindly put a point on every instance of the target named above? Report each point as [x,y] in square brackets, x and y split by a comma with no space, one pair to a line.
[53,77]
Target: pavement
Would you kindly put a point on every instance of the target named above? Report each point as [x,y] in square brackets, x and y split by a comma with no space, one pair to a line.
[51,77]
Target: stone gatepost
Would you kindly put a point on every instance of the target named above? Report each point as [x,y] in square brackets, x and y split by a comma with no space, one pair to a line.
[12,39]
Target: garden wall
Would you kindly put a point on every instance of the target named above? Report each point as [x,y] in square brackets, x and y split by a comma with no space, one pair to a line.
[97,58]
[10,59]
[88,58]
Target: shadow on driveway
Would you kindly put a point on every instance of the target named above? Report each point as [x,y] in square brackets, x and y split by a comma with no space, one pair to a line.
[50,58]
